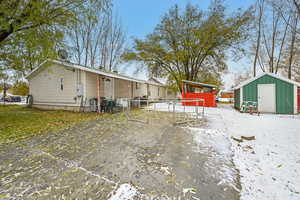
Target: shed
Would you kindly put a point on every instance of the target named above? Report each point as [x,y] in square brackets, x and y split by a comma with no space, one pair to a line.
[273,94]
[196,90]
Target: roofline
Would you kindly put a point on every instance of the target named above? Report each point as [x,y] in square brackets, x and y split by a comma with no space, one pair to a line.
[37,68]
[270,74]
[72,65]
[151,83]
[198,83]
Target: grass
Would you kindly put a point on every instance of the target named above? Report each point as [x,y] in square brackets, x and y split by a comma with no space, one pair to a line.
[19,122]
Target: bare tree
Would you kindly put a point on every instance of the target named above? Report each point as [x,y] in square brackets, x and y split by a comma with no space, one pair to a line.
[292,44]
[98,39]
[84,36]
[112,44]
[297,5]
[271,38]
[290,15]
[260,8]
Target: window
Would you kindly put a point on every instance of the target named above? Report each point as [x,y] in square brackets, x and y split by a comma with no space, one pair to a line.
[61,84]
[136,86]
[157,91]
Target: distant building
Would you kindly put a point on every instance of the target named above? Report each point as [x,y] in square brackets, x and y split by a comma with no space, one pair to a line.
[193,92]
[226,96]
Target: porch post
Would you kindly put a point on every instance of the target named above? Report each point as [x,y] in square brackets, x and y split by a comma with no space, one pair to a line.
[98,93]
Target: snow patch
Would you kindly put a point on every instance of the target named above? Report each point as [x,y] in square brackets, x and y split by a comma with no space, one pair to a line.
[125,192]
[216,145]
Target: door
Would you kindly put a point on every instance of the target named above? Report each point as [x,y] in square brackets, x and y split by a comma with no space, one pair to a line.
[266,98]
[108,88]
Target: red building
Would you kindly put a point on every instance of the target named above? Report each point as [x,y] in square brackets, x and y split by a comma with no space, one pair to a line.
[198,91]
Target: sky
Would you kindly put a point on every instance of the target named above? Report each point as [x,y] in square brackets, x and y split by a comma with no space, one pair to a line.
[139,18]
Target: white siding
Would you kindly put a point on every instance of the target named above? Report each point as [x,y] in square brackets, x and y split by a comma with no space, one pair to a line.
[91,85]
[45,87]
[143,90]
[156,92]
[138,89]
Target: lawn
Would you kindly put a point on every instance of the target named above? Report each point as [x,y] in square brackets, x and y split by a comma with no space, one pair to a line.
[19,122]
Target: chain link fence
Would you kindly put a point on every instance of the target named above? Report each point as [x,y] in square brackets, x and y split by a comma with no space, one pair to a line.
[174,109]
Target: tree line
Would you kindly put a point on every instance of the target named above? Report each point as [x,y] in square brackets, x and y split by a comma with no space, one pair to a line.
[34,30]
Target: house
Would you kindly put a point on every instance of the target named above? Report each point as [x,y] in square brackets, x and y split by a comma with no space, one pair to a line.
[59,84]
[155,89]
[272,93]
[196,90]
[226,96]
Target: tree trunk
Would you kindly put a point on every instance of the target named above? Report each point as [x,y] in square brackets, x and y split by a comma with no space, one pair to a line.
[292,47]
[258,36]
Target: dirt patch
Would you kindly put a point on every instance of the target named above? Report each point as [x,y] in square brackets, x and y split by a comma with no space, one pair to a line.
[92,159]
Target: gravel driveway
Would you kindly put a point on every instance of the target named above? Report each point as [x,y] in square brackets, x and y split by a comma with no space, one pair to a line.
[91,161]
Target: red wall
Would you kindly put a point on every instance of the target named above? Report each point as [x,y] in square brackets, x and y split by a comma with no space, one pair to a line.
[209,99]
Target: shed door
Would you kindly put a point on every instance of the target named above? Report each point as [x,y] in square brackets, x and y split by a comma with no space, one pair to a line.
[266,98]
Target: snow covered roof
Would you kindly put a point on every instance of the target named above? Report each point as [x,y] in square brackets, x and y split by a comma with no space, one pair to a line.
[270,74]
[75,66]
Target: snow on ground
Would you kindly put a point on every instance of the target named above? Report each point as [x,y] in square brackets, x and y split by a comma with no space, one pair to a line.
[215,143]
[269,165]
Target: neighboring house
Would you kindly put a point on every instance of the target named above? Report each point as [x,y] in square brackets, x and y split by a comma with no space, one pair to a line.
[155,89]
[226,96]
[63,85]
[273,94]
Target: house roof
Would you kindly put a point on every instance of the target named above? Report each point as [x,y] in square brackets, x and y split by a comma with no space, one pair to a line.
[270,74]
[75,66]
[199,84]
[154,81]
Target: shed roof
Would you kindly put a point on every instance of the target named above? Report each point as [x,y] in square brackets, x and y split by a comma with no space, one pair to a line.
[270,74]
[75,66]
[199,84]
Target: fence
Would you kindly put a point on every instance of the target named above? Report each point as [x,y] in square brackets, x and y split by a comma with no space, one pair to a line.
[180,113]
